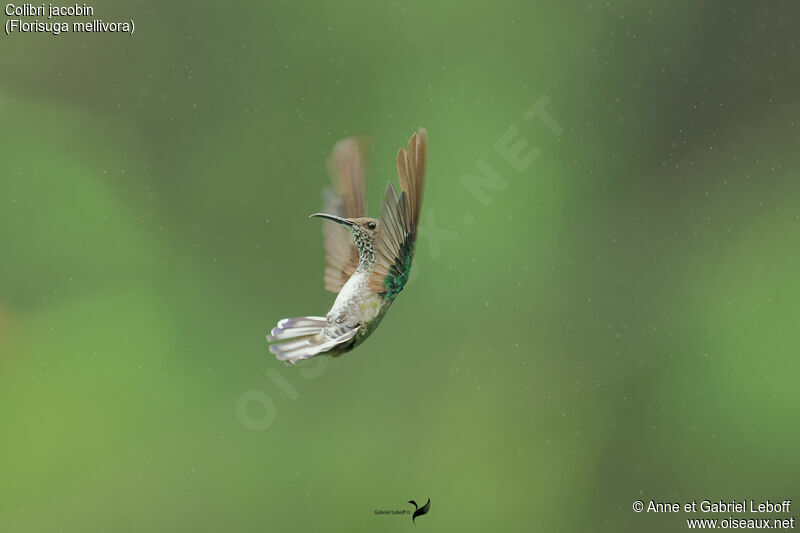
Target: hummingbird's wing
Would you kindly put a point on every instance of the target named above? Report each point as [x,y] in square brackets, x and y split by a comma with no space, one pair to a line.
[399,220]
[348,167]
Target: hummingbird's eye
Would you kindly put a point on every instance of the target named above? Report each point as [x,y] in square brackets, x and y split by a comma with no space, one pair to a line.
[370,225]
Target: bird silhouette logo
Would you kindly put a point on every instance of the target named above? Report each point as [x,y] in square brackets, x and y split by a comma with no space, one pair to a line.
[419,510]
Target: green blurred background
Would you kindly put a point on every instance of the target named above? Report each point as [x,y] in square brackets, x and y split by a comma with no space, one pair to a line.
[620,322]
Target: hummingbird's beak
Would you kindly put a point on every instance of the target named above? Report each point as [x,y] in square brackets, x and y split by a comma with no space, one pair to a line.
[340,220]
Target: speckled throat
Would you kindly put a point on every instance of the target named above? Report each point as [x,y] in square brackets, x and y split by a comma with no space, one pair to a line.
[366,248]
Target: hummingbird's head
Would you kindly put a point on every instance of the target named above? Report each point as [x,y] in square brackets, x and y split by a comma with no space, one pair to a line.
[364,229]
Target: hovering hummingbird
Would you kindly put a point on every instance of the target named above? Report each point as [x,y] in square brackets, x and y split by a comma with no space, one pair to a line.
[368,267]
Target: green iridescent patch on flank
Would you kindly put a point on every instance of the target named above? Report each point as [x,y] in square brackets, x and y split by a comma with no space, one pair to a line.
[395,281]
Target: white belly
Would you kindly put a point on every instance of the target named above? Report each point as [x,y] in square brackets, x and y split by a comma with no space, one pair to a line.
[355,304]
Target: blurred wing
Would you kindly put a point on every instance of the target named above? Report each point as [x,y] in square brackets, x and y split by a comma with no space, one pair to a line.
[399,220]
[348,169]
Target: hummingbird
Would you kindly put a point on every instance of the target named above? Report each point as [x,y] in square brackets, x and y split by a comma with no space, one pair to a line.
[419,511]
[368,259]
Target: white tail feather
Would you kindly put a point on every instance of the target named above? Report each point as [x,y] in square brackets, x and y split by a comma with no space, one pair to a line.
[306,337]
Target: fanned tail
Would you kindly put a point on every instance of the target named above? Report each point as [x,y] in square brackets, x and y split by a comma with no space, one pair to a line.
[304,337]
